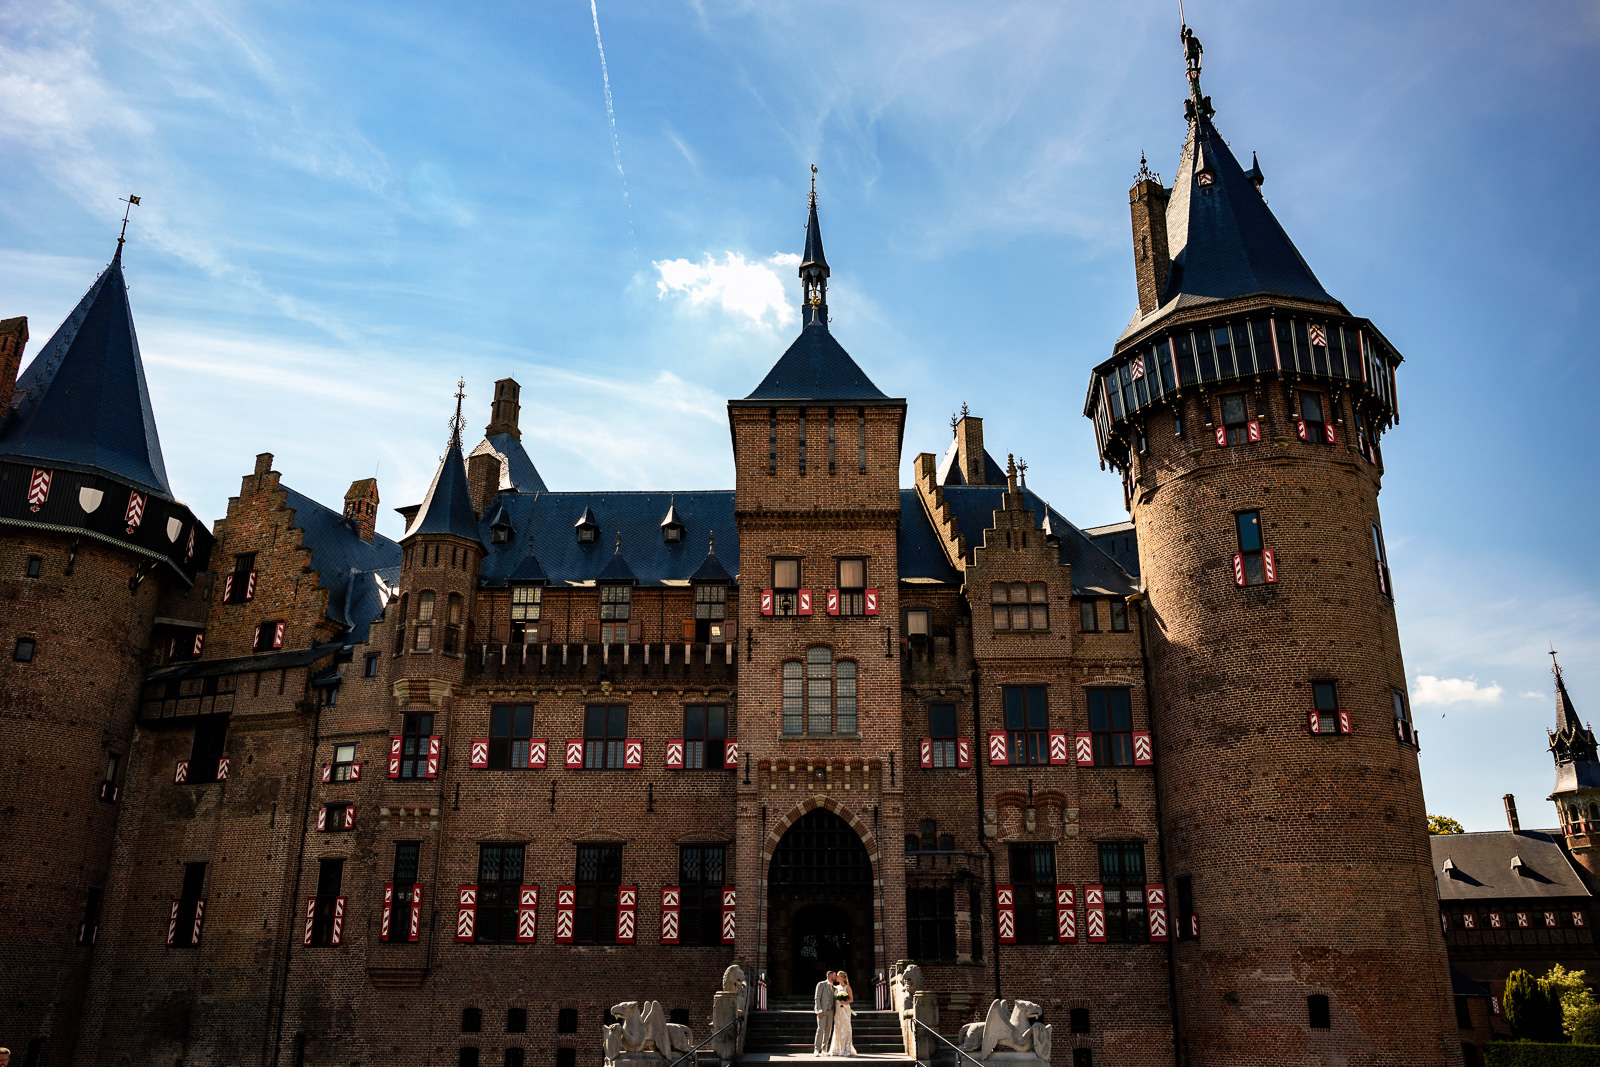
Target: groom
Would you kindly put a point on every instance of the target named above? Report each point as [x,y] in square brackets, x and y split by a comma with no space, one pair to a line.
[823,1002]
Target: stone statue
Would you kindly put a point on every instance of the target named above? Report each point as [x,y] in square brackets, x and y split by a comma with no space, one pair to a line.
[644,1033]
[1010,1025]
[733,979]
[903,986]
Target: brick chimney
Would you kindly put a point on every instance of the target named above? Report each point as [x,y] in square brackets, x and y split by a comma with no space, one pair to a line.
[13,338]
[361,506]
[969,450]
[483,474]
[503,416]
[1147,202]
[1511,813]
[266,478]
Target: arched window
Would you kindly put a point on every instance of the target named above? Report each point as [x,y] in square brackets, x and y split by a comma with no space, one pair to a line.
[452,626]
[424,640]
[819,695]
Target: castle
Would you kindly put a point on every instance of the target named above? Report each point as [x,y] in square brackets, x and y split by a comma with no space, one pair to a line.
[288,792]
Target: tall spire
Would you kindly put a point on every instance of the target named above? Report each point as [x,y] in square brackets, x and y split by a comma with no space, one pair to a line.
[1198,104]
[1571,741]
[814,266]
[447,509]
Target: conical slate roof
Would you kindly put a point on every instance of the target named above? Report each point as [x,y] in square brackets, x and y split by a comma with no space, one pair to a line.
[83,404]
[813,254]
[529,570]
[447,509]
[816,367]
[617,570]
[711,568]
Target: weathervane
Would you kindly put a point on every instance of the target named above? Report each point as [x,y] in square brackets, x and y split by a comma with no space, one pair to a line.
[458,422]
[132,202]
[813,183]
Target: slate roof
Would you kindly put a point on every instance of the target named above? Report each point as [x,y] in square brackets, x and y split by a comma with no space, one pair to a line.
[950,468]
[921,551]
[357,575]
[813,251]
[711,570]
[83,404]
[447,508]
[517,472]
[212,668]
[1483,866]
[1120,541]
[617,569]
[816,367]
[1094,573]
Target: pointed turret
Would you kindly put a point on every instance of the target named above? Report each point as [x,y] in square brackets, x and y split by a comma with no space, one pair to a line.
[1570,741]
[814,265]
[447,508]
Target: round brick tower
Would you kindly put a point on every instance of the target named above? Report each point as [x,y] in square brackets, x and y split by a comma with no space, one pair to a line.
[1243,408]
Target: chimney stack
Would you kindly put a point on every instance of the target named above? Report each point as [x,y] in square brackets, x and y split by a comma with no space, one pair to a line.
[1147,202]
[361,507]
[1511,813]
[969,450]
[13,338]
[503,416]
[483,475]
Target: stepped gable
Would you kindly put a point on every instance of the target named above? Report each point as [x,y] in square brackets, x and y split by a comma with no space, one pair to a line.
[357,575]
[83,404]
[1094,572]
[950,468]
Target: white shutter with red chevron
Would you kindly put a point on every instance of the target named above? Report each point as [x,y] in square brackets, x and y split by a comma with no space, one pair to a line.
[336,935]
[833,602]
[575,752]
[730,753]
[671,902]
[927,753]
[1253,429]
[999,753]
[250,586]
[1300,430]
[1058,749]
[199,920]
[1155,898]
[1066,915]
[395,744]
[327,773]
[1144,752]
[135,513]
[766,602]
[627,913]
[538,751]
[1083,749]
[416,913]
[322,817]
[805,602]
[350,817]
[527,914]
[277,635]
[180,773]
[466,913]
[1222,436]
[566,904]
[963,752]
[434,744]
[1094,907]
[872,601]
[1005,908]
[478,752]
[172,922]
[730,899]
[222,768]
[1238,568]
[632,753]
[39,488]
[1269,565]
[1344,721]
[355,771]
[227,589]
[388,911]
[675,755]
[311,918]
[1330,433]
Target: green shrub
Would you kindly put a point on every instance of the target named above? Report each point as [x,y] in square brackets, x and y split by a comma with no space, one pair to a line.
[1533,1008]
[1540,1054]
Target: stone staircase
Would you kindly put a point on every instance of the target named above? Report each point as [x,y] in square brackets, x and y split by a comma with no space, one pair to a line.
[786,1031]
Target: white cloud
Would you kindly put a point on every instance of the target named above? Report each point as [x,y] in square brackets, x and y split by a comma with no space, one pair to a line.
[1533,696]
[1431,690]
[736,286]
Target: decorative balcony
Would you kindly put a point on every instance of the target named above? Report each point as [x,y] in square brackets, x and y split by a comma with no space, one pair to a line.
[677,661]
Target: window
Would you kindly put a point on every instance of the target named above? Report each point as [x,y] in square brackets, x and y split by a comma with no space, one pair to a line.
[23,653]
[772,440]
[194,887]
[344,757]
[1082,1057]
[514,1056]
[452,625]
[802,440]
[467,1056]
[786,587]
[604,730]
[1318,1015]
[516,1020]
[1111,725]
[108,784]
[471,1020]
[1079,1018]
[566,1020]
[931,922]
[89,929]
[599,874]
[499,879]
[710,611]
[1235,416]
[1119,615]
[369,666]
[1020,605]
[1033,877]
[1027,723]
[330,878]
[1380,560]
[819,696]
[406,855]
[510,727]
[1249,526]
[424,639]
[1122,874]
[334,817]
[861,440]
[1325,702]
[1311,415]
[616,603]
[1402,715]
[1088,615]
[1463,1012]
[210,735]
[242,587]
[400,625]
[35,565]
[942,732]
[416,735]
[705,728]
[1185,923]
[852,587]
[527,606]
[269,636]
[701,873]
[918,623]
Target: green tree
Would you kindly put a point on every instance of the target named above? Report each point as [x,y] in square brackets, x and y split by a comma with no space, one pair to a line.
[1568,989]
[1531,1009]
[1443,824]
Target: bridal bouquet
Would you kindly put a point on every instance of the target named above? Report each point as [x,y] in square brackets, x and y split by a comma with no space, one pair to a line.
[841,996]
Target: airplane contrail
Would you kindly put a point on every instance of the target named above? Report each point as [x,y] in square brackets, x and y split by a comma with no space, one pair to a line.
[611,117]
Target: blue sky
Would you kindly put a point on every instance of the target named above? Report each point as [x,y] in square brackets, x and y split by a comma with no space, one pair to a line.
[348,206]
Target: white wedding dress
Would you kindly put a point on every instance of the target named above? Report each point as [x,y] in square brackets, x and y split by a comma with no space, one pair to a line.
[843,1043]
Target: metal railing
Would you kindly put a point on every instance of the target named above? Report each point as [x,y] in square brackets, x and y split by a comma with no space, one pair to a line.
[736,1025]
[960,1055]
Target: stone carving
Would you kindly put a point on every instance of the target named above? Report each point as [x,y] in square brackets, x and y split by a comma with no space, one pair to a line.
[733,979]
[1013,1026]
[644,1034]
[905,984]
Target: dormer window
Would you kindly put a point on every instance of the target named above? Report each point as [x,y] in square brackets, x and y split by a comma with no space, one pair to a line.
[587,528]
[1518,867]
[671,527]
[500,533]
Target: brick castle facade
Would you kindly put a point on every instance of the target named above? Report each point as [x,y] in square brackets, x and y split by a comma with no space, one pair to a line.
[289,792]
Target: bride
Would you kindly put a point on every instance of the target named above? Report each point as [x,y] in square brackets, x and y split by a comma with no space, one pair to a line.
[843,1040]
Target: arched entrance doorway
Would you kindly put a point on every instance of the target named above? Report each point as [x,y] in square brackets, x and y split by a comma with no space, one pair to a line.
[819,892]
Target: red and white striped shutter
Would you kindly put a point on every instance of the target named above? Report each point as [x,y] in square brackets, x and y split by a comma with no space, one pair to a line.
[478,752]
[1066,915]
[394,755]
[927,753]
[39,488]
[172,922]
[227,588]
[1238,568]
[805,602]
[222,768]
[566,920]
[1222,436]
[416,913]
[963,752]
[199,920]
[1522,920]
[350,817]
[180,773]
[1469,921]
[1269,565]
[730,914]
[1253,429]
[1330,433]
[327,772]
[1005,906]
[1155,898]
[766,602]
[199,644]
[1058,751]
[833,602]
[1314,721]
[1444,921]
[338,922]
[434,745]
[1194,926]
[135,513]
[575,752]
[872,601]
[277,635]
[388,911]
[1550,919]
[671,901]
[1144,751]
[311,918]
[466,912]
[1094,905]
[1300,430]
[1344,721]
[527,914]
[1494,1005]
[1083,749]
[1579,919]
[355,771]
[675,755]
[250,586]
[730,753]
[538,752]
[633,753]
[1494,920]
[322,817]
[627,913]
[999,755]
